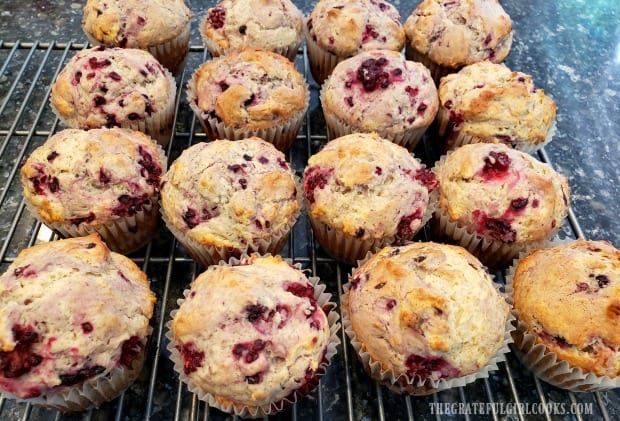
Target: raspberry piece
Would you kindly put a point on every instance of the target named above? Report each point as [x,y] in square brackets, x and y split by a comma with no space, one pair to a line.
[21,359]
[130,350]
[150,169]
[83,374]
[316,177]
[430,367]
[216,17]
[192,358]
[496,163]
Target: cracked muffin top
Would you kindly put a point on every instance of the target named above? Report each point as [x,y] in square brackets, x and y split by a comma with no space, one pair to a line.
[454,33]
[70,311]
[491,103]
[569,297]
[230,193]
[93,177]
[368,188]
[108,87]
[381,91]
[501,193]
[264,338]
[249,89]
[347,27]
[273,25]
[426,311]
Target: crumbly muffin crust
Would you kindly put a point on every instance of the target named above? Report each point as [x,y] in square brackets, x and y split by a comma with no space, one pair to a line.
[426,311]
[381,91]
[249,89]
[501,193]
[569,297]
[230,193]
[70,312]
[491,103]
[134,23]
[456,33]
[107,87]
[92,177]
[347,27]
[264,339]
[266,24]
[368,187]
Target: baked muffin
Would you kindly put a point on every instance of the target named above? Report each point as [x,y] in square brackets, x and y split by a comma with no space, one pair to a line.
[225,198]
[363,192]
[496,201]
[567,299]
[274,25]
[379,91]
[108,87]
[267,346]
[101,180]
[487,102]
[74,324]
[339,29]
[161,27]
[425,317]
[249,93]
[446,35]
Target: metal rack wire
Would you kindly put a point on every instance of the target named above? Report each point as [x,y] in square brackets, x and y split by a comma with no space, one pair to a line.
[345,392]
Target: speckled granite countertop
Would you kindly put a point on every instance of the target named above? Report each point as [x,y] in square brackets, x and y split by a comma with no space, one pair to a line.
[571,48]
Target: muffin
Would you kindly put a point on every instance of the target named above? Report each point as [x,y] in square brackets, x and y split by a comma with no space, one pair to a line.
[249,93]
[425,317]
[487,102]
[363,192]
[496,201]
[265,347]
[225,198]
[567,300]
[108,87]
[273,25]
[339,29]
[75,323]
[379,91]
[102,180]
[446,35]
[160,27]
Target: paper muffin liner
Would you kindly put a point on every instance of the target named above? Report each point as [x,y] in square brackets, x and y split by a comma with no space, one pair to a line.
[404,384]
[93,392]
[322,298]
[282,135]
[456,138]
[536,357]
[321,61]
[172,54]
[348,248]
[124,234]
[289,51]
[492,253]
[437,71]
[336,127]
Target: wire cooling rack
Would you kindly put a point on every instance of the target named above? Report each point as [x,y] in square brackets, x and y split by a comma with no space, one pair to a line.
[345,392]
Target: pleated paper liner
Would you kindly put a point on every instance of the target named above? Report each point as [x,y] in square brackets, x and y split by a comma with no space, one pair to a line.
[269,408]
[536,357]
[282,135]
[402,383]
[456,138]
